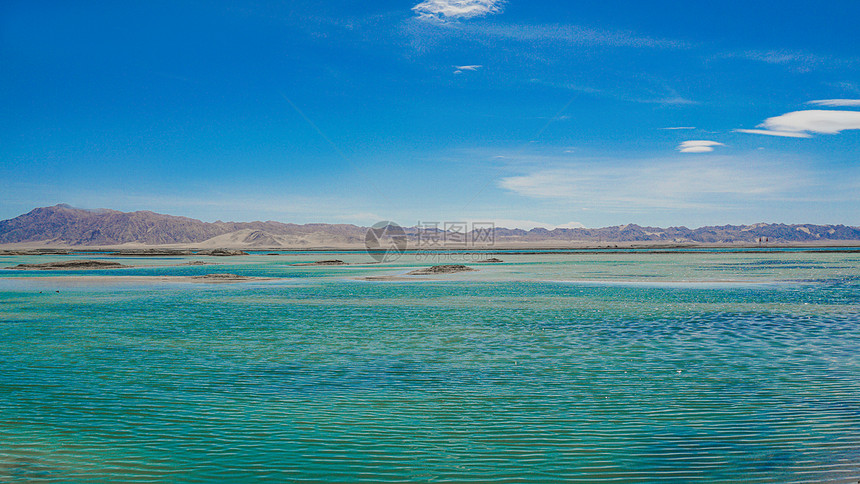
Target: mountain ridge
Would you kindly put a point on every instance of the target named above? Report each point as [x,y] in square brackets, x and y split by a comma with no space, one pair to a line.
[63,225]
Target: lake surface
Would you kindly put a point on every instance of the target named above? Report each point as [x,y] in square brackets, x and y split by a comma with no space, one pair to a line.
[632,367]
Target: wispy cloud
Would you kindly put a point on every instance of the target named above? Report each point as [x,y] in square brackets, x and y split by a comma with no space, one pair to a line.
[836,103]
[442,10]
[646,91]
[800,61]
[460,69]
[524,224]
[698,146]
[662,183]
[767,132]
[571,34]
[679,127]
[801,124]
[670,100]
[781,57]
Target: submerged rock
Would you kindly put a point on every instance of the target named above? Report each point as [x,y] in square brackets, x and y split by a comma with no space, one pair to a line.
[491,260]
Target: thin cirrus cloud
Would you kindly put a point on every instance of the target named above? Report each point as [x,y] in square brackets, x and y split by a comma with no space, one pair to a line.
[836,103]
[802,124]
[663,183]
[454,9]
[526,224]
[571,34]
[460,69]
[698,146]
[799,61]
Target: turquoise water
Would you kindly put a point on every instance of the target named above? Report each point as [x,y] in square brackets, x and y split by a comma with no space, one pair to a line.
[549,367]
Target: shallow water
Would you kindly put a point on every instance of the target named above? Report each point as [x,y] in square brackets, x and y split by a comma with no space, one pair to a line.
[551,367]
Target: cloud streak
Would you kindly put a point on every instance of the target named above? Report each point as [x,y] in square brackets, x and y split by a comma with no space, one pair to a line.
[836,103]
[698,146]
[472,68]
[662,183]
[572,34]
[802,124]
[798,61]
[767,132]
[442,10]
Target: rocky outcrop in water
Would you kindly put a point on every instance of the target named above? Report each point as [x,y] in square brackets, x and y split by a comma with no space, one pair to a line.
[224,278]
[443,269]
[221,252]
[71,264]
[334,262]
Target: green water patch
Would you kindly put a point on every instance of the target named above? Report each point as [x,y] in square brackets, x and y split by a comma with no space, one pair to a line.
[332,379]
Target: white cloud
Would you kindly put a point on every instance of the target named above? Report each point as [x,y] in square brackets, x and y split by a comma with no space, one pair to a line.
[460,69]
[835,103]
[799,124]
[672,184]
[698,146]
[451,9]
[680,127]
[784,134]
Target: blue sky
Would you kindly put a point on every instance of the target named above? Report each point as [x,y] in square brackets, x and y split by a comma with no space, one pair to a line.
[528,113]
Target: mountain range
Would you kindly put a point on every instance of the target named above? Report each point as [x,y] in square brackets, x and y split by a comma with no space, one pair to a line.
[65,226]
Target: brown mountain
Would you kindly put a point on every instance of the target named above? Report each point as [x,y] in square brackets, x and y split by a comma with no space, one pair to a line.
[63,225]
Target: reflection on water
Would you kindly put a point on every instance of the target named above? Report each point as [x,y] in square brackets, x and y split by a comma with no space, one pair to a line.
[552,367]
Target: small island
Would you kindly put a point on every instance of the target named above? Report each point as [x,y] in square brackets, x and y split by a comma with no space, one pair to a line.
[221,252]
[70,264]
[443,269]
[333,262]
[225,278]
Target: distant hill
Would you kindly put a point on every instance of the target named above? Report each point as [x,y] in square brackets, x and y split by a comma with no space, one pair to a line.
[725,234]
[63,225]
